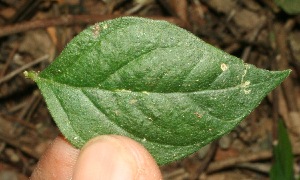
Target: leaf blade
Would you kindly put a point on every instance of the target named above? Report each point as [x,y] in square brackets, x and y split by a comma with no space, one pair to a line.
[134,79]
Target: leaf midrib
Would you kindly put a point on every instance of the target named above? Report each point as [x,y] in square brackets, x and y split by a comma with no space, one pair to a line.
[239,86]
[133,135]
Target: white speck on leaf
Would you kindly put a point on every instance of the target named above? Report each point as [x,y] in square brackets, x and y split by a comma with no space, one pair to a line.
[224,67]
[198,115]
[145,92]
[123,90]
[247,91]
[25,73]
[245,72]
[96,30]
[245,85]
[105,26]
[132,101]
[117,113]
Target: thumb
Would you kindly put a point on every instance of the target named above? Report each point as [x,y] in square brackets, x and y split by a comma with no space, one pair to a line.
[115,157]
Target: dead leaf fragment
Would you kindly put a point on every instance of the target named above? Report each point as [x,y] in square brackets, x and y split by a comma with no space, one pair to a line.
[219,5]
[247,19]
[294,39]
[37,43]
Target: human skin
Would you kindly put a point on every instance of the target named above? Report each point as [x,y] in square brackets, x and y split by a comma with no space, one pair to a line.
[104,157]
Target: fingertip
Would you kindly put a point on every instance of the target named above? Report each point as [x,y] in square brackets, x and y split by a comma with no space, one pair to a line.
[147,166]
[115,157]
[57,162]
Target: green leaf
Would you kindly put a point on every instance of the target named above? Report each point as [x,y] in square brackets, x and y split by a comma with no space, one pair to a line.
[153,82]
[282,167]
[289,6]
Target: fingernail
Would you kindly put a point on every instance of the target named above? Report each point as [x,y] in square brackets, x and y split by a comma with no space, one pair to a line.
[105,157]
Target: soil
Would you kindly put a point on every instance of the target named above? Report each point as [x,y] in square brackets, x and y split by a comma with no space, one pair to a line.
[34,32]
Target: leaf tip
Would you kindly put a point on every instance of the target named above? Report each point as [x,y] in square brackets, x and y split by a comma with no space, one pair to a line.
[287,72]
[283,74]
[31,75]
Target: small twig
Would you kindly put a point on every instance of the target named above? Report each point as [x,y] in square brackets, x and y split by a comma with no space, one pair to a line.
[178,9]
[2,146]
[27,110]
[258,167]
[136,8]
[248,49]
[71,20]
[275,109]
[289,25]
[9,59]
[230,162]
[16,108]
[207,160]
[16,143]
[219,165]
[177,174]
[25,11]
[282,64]
[275,114]
[19,121]
[34,106]
[298,19]
[29,105]
[21,69]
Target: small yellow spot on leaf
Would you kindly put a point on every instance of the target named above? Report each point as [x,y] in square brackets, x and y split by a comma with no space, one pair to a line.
[26,74]
[145,92]
[105,26]
[245,85]
[123,90]
[132,101]
[198,115]
[224,67]
[96,30]
[247,91]
[117,113]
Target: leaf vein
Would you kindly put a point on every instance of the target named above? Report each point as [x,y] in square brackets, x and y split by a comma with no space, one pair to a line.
[102,111]
[67,114]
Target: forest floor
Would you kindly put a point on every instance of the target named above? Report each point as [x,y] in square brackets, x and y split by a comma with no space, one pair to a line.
[34,32]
